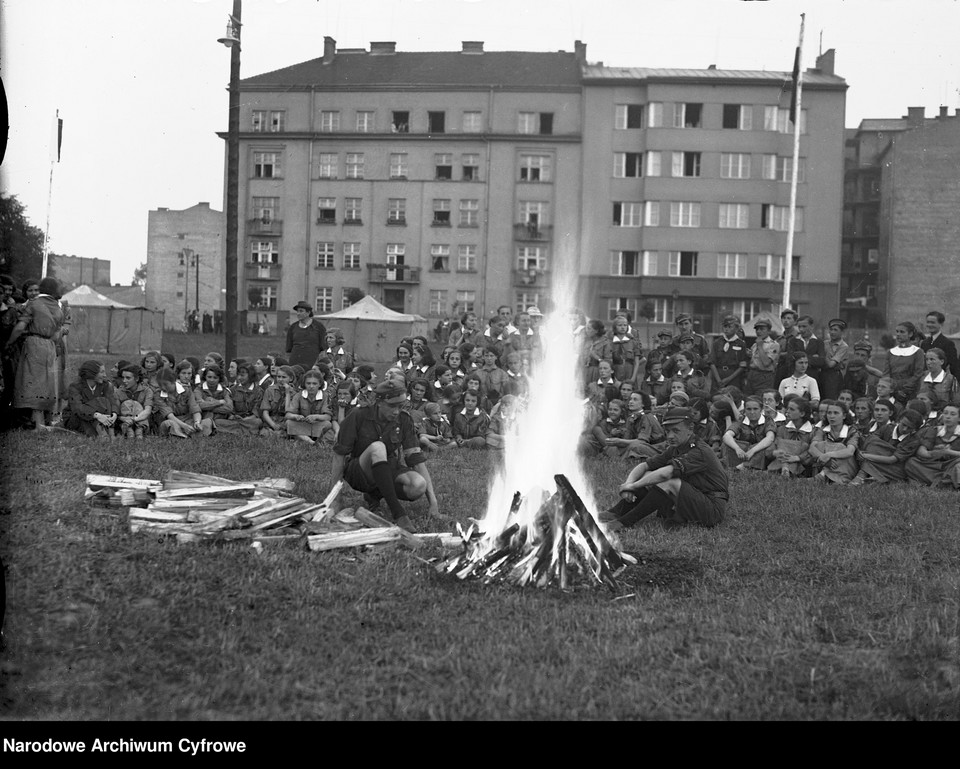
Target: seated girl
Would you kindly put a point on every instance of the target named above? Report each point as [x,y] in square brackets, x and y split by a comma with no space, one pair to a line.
[455,362]
[306,419]
[470,423]
[790,452]
[417,391]
[746,441]
[834,446]
[938,378]
[273,405]
[773,408]
[136,403]
[645,435]
[435,432]
[474,383]
[339,408]
[442,377]
[937,461]
[605,385]
[705,429]
[246,398]
[884,466]
[610,433]
[517,382]
[175,408]
[503,421]
[863,415]
[92,405]
[213,399]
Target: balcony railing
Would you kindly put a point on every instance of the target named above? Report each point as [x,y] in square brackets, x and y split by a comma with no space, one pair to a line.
[265,226]
[531,231]
[393,273]
[260,271]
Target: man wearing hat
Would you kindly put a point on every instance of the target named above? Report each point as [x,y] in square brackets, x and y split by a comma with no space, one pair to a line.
[305,338]
[684,322]
[764,355]
[729,356]
[684,484]
[789,342]
[370,446]
[836,352]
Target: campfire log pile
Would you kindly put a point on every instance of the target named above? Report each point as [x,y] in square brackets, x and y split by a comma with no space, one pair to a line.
[561,543]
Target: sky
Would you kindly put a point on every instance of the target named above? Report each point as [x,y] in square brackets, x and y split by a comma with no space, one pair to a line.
[141,84]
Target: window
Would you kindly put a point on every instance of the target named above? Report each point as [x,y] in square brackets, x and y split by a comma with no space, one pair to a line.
[268,121]
[345,297]
[738,116]
[472,122]
[266,209]
[686,164]
[683,264]
[734,165]
[440,258]
[264,252]
[778,119]
[324,300]
[327,211]
[687,115]
[871,291]
[746,310]
[466,301]
[734,216]
[467,258]
[532,213]
[354,165]
[179,293]
[398,165]
[546,123]
[771,268]
[471,167]
[684,214]
[535,123]
[650,259]
[778,218]
[531,258]
[438,302]
[328,165]
[400,122]
[625,263]
[441,213]
[535,168]
[662,310]
[352,211]
[469,213]
[622,304]
[329,121]
[780,168]
[653,163]
[525,299]
[268,297]
[351,256]
[266,165]
[396,253]
[655,114]
[873,256]
[627,214]
[651,213]
[364,121]
[731,266]
[444,165]
[325,256]
[436,122]
[628,116]
[627,164]
[397,211]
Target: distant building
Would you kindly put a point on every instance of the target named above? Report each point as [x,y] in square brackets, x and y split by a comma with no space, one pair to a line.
[75,271]
[135,296]
[901,228]
[184,261]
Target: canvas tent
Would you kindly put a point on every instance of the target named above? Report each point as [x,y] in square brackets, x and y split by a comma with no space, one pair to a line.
[102,325]
[372,331]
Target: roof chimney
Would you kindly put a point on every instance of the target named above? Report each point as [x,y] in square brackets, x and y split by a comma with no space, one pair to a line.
[943,110]
[383,47]
[329,49]
[580,51]
[915,116]
[825,62]
[472,46]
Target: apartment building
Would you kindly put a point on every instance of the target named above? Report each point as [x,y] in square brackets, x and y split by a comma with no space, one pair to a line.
[686,192]
[436,182]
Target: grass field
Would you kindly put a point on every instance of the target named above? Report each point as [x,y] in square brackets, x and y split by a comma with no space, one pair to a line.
[807,603]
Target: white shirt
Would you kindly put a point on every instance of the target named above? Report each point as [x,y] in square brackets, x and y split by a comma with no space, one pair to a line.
[800,386]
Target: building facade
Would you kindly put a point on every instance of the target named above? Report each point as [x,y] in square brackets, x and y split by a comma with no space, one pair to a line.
[75,271]
[185,252]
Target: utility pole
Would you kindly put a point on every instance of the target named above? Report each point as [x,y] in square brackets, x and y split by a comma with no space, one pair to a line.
[196,293]
[232,41]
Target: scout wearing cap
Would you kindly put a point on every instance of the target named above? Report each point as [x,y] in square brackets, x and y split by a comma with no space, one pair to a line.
[390,392]
[686,338]
[664,332]
[762,323]
[678,414]
[534,312]
[730,320]
[841,324]
[682,317]
[863,347]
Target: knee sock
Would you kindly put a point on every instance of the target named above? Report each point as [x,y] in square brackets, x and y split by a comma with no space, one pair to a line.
[654,501]
[383,477]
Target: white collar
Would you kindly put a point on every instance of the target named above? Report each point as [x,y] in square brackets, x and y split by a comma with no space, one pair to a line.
[338,352]
[180,388]
[930,378]
[263,379]
[780,417]
[844,431]
[306,395]
[608,382]
[806,427]
[762,420]
[904,352]
[206,387]
[625,338]
[476,410]
[942,432]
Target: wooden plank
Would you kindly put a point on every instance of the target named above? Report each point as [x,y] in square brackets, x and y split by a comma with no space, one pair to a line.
[96,482]
[142,514]
[233,491]
[286,518]
[372,520]
[448,541]
[273,510]
[357,538]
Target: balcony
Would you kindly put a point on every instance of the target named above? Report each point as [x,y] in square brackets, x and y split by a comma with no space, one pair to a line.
[532,231]
[259,271]
[531,278]
[264,226]
[392,273]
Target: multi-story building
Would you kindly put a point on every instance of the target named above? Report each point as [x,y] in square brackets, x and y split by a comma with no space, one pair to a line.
[185,262]
[900,225]
[435,182]
[686,192]
[75,271]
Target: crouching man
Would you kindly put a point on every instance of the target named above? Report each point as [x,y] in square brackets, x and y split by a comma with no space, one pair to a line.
[370,445]
[684,484]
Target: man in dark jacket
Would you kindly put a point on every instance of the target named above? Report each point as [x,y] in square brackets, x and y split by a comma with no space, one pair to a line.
[935,338]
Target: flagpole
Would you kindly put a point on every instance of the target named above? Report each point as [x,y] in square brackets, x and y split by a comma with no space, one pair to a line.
[798,92]
[54,159]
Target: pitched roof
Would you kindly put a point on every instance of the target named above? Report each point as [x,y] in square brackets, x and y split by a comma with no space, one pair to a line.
[84,296]
[594,72]
[495,68]
[369,308]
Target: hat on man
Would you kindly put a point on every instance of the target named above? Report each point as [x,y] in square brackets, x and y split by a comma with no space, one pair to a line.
[730,319]
[865,346]
[302,305]
[677,415]
[680,395]
[788,311]
[686,338]
[762,323]
[390,392]
[534,311]
[682,317]
[665,332]
[841,324]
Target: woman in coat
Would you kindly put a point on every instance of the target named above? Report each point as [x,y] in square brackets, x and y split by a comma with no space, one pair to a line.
[906,363]
[92,406]
[305,338]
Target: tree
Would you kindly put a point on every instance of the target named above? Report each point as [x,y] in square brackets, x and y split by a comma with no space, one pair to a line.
[354,295]
[140,276]
[21,244]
